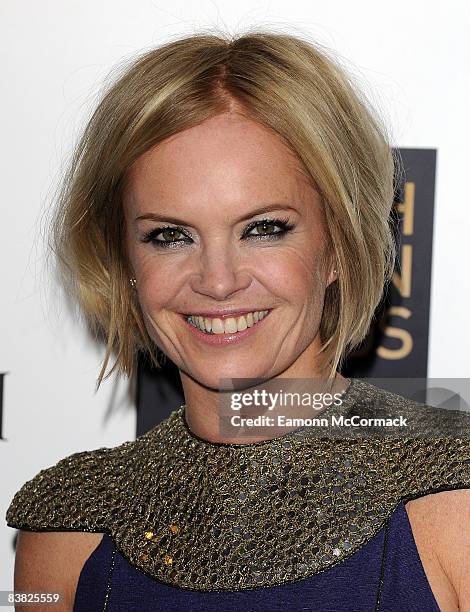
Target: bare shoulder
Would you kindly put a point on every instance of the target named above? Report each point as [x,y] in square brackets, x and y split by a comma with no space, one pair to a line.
[441,528]
[52,562]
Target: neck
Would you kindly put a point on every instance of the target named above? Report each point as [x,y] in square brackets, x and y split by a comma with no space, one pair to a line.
[208,413]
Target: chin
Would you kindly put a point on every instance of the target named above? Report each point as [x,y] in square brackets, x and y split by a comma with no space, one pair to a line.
[224,378]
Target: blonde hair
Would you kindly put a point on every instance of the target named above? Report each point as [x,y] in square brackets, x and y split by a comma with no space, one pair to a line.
[287,84]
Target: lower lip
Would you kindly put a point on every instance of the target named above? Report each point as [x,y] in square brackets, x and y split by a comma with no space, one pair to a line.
[224,339]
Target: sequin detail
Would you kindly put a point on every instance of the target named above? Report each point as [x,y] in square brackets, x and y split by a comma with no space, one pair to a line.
[209,516]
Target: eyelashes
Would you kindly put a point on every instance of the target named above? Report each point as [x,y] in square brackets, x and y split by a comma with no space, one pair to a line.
[172,231]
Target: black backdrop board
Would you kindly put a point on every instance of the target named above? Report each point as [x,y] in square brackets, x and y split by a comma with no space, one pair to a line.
[159,392]
[397,344]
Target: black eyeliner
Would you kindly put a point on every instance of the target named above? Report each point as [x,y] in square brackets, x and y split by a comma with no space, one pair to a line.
[150,237]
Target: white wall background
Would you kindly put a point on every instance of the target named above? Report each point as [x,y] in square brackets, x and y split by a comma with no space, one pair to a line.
[412,57]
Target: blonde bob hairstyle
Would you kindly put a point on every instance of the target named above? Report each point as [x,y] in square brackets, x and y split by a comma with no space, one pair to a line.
[288,84]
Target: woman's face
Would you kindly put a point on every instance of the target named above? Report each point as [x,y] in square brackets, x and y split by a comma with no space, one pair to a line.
[208,184]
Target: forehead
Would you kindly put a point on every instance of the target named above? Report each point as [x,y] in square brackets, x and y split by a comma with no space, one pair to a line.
[226,159]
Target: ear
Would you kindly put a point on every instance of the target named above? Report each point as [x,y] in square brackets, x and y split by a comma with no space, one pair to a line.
[333,275]
[330,264]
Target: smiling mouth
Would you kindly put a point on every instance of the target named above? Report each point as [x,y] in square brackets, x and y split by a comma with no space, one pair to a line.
[229,325]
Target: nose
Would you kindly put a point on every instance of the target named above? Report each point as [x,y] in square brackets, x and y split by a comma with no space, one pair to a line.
[219,273]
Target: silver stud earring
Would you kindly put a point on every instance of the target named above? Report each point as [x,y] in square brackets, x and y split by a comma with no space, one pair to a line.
[133,282]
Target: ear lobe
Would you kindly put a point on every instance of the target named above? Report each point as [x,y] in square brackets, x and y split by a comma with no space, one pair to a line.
[332,277]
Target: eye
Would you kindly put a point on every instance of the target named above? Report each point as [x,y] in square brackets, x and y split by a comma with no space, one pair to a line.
[170,235]
[266,228]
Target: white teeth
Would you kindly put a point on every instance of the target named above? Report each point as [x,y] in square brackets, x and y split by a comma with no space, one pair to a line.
[227,326]
[241,323]
[217,326]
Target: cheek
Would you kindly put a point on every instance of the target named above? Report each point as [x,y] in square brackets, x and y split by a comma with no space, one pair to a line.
[159,282]
[292,273]
[295,274]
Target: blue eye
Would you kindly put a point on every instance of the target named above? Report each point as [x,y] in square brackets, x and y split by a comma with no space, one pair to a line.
[171,233]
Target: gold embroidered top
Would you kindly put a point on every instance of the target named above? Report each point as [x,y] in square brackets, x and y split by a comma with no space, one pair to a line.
[214,516]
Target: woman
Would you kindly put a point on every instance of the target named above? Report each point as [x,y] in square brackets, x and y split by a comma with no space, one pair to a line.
[229,203]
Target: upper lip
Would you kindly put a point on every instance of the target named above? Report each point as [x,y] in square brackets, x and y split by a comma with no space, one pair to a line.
[223,313]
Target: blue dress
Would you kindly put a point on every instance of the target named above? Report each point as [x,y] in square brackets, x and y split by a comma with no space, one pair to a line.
[386,575]
[313,520]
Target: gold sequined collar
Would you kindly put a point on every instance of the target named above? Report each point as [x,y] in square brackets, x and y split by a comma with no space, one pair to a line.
[214,516]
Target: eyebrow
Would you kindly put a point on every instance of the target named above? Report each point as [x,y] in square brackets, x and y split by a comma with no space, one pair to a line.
[253,213]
